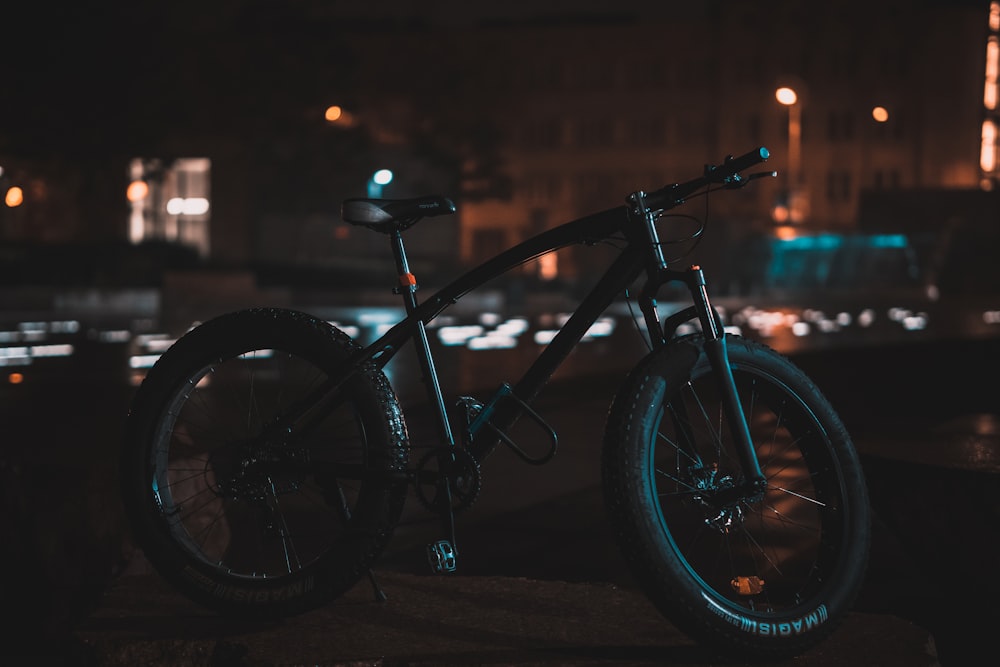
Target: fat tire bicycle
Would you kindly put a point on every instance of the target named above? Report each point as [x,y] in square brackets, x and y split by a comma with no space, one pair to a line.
[267,459]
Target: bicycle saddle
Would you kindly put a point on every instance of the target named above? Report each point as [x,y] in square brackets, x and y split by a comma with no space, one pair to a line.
[388,215]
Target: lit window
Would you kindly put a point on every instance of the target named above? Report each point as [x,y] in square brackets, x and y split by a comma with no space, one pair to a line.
[170,201]
[988,151]
[548,266]
[992,70]
[187,206]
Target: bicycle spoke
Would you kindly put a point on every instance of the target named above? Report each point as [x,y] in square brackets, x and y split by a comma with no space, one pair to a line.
[287,544]
[201,431]
[772,540]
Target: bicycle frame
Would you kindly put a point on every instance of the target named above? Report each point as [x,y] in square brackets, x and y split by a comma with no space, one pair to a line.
[266,460]
[640,237]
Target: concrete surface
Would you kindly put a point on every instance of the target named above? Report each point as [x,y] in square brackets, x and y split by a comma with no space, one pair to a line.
[540,582]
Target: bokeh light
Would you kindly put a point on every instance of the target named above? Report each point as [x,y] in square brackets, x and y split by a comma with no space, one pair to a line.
[14,197]
[137,191]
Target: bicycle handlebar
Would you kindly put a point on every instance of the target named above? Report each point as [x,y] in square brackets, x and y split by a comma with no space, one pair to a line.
[727,173]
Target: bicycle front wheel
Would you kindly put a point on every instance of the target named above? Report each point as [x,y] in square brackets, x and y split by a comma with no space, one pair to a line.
[764,575]
[244,517]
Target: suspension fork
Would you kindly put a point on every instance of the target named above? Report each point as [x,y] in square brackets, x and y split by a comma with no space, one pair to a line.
[644,222]
[718,358]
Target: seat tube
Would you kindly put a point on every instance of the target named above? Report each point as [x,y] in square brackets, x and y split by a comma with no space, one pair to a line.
[718,358]
[407,288]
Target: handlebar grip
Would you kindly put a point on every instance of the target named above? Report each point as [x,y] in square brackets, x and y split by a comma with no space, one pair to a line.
[734,165]
[672,195]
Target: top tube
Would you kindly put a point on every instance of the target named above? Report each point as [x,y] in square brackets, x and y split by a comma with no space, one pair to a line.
[591,228]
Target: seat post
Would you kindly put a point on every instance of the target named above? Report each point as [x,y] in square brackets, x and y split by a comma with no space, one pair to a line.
[407,282]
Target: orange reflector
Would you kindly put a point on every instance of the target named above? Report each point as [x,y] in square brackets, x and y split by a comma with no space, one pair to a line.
[15,378]
[747,585]
[407,280]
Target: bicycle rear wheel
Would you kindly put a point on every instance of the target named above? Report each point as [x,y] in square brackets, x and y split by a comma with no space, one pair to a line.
[767,575]
[245,518]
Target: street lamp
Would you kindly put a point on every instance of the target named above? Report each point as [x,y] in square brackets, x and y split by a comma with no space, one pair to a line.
[789,98]
[339,116]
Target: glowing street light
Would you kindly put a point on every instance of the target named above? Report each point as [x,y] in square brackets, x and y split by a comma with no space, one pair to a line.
[334,113]
[789,98]
[14,197]
[339,116]
[786,96]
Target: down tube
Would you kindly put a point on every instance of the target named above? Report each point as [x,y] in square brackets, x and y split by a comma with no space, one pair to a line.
[625,269]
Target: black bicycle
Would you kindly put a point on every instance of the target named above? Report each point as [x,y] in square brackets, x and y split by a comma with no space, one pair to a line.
[266,461]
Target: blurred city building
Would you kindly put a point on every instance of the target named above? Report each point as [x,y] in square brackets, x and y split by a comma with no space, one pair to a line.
[203,167]
[888,97]
[170,202]
[530,117]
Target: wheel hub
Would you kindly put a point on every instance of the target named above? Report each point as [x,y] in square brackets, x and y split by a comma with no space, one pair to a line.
[257,468]
[724,500]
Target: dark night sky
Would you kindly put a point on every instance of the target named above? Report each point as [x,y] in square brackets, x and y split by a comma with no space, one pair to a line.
[86,80]
[83,64]
[113,77]
[81,79]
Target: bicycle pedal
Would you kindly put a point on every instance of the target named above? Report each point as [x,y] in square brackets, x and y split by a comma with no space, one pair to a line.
[442,557]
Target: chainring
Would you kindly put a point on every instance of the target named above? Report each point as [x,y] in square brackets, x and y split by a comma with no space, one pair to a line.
[461,470]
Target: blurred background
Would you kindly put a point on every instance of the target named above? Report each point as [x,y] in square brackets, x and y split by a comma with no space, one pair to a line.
[162,163]
[159,165]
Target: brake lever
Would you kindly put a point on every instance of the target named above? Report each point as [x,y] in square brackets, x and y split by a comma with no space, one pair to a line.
[741,181]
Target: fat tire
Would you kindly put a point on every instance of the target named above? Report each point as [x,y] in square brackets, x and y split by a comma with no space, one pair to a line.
[711,615]
[377,500]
